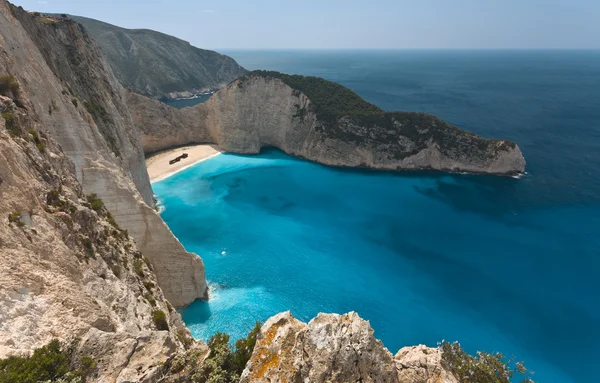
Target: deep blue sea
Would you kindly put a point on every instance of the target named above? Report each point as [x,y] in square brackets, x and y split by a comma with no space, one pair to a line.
[498,264]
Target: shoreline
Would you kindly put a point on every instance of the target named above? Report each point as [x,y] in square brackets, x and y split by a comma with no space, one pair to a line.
[158,164]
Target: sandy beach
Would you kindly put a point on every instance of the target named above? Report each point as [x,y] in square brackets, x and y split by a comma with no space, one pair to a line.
[158,164]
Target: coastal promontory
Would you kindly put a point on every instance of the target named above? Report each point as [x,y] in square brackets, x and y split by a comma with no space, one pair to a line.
[321,121]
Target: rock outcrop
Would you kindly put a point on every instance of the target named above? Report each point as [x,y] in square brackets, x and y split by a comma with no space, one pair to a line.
[262,110]
[158,65]
[78,101]
[336,348]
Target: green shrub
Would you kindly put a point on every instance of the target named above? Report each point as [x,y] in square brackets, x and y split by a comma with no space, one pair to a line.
[159,318]
[138,267]
[15,217]
[485,368]
[148,285]
[150,299]
[184,338]
[170,307]
[112,221]
[8,83]
[116,269]
[89,247]
[75,101]
[147,262]
[95,202]
[12,124]
[50,363]
[36,138]
[330,100]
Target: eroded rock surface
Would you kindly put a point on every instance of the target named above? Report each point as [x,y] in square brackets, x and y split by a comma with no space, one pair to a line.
[336,348]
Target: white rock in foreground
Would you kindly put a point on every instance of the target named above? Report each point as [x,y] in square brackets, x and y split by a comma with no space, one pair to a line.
[336,348]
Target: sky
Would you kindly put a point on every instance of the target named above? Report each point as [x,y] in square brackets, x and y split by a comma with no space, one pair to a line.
[352,24]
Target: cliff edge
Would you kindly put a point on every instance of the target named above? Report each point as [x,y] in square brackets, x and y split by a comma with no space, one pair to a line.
[323,122]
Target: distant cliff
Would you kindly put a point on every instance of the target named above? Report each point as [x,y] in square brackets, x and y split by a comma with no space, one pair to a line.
[158,65]
[321,121]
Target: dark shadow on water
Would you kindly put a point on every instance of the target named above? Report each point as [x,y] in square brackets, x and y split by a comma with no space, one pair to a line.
[199,311]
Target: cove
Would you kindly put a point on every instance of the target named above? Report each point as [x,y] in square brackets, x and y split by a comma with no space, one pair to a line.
[423,257]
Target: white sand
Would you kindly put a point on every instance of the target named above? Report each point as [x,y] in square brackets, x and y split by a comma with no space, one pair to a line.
[158,164]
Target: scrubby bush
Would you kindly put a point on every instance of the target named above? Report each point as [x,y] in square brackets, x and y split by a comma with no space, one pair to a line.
[8,83]
[150,299]
[184,338]
[148,285]
[485,368]
[116,269]
[138,267]
[225,364]
[147,262]
[330,100]
[36,139]
[15,217]
[12,124]
[51,363]
[95,202]
[159,318]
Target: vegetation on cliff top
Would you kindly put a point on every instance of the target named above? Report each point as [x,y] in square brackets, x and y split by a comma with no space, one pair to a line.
[331,100]
[485,368]
[224,364]
[51,363]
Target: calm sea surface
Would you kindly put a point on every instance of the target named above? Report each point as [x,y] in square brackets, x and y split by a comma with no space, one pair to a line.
[497,263]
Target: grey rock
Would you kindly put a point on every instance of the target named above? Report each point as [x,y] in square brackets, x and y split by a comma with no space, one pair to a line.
[336,348]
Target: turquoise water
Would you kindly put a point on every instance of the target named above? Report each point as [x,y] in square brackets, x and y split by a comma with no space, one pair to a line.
[497,263]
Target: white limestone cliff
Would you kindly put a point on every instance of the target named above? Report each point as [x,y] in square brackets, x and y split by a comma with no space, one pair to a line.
[79,102]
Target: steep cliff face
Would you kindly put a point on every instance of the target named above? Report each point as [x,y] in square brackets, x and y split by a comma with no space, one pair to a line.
[262,110]
[67,270]
[79,102]
[336,348]
[159,65]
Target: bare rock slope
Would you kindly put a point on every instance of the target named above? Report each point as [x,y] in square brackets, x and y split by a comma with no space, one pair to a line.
[322,122]
[78,101]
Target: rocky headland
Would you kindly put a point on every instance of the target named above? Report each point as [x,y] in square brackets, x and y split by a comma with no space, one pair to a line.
[323,122]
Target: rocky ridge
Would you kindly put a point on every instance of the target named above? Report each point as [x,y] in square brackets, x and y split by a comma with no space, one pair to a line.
[262,110]
[80,103]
